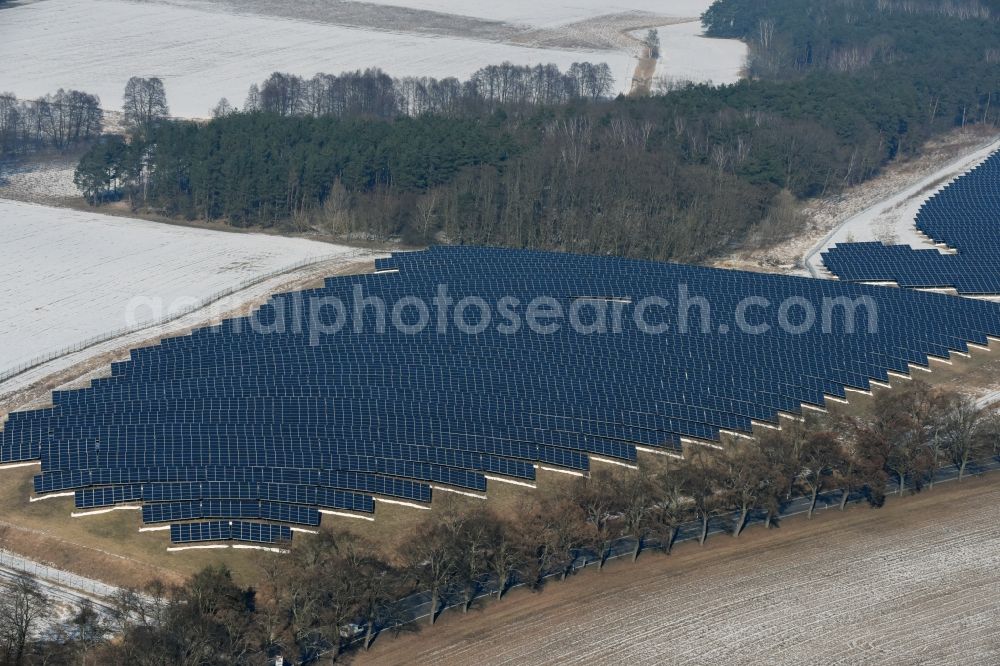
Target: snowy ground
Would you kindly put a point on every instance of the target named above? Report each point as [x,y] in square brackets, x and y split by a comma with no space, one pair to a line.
[42,180]
[96,45]
[892,220]
[687,55]
[552,12]
[207,49]
[71,276]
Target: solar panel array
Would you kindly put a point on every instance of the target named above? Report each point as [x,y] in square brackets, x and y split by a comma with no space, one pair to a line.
[269,425]
[965,216]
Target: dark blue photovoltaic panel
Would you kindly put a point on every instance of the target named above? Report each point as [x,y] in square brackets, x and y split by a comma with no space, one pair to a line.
[96,497]
[289,513]
[260,533]
[235,423]
[229,530]
[329,498]
[964,216]
[216,531]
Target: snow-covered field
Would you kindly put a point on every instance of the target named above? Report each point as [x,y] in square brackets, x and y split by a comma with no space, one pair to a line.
[548,13]
[685,55]
[70,276]
[96,45]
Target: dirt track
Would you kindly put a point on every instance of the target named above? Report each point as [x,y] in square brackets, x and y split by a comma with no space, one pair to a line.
[917,582]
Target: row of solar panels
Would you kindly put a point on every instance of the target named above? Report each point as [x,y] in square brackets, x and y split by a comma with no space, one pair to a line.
[312,408]
[876,365]
[304,444]
[142,469]
[328,496]
[424,461]
[230,530]
[236,509]
[295,493]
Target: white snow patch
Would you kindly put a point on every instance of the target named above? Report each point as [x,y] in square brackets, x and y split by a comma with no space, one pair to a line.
[37,181]
[687,55]
[551,13]
[69,276]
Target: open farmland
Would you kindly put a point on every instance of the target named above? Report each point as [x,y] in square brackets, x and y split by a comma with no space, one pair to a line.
[70,276]
[915,582]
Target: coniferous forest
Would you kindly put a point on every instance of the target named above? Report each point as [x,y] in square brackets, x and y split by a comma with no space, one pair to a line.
[534,157]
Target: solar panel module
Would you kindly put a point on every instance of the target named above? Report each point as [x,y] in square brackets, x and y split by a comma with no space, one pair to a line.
[458,365]
[964,216]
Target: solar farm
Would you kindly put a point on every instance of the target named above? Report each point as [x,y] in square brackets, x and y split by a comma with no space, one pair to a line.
[963,220]
[255,428]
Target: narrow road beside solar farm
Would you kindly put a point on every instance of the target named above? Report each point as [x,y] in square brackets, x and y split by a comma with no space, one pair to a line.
[891,220]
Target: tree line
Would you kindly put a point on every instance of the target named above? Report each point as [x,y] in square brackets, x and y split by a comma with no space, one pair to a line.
[373,93]
[788,39]
[72,118]
[338,590]
[59,120]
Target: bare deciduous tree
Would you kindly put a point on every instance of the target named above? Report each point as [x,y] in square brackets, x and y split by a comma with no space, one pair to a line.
[223,109]
[672,506]
[474,536]
[144,103]
[597,497]
[506,558]
[23,609]
[637,501]
[820,460]
[744,473]
[701,478]
[895,437]
[968,431]
[431,560]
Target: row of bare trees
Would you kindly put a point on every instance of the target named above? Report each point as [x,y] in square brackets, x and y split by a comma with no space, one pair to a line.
[901,440]
[54,121]
[373,93]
